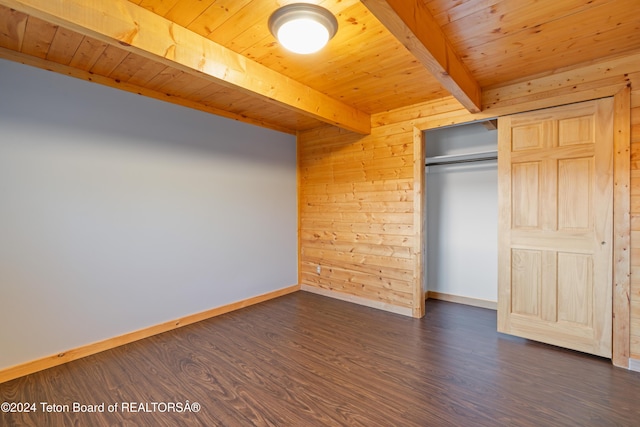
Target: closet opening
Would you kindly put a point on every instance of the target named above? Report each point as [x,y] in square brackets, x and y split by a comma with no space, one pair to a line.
[461,214]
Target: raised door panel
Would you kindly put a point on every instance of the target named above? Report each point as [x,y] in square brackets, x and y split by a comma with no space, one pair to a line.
[525,186]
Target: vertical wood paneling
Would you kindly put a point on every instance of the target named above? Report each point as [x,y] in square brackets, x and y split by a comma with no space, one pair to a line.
[634,293]
[622,318]
[419,218]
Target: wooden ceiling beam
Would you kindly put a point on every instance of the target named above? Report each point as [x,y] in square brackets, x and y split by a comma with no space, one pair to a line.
[414,26]
[138,30]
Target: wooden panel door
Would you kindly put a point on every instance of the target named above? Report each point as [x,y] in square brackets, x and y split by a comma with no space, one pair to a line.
[555,179]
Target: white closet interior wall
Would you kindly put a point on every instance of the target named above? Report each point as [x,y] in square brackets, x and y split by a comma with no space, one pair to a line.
[462,212]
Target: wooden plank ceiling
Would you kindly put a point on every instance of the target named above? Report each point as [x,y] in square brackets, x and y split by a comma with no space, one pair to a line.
[218,55]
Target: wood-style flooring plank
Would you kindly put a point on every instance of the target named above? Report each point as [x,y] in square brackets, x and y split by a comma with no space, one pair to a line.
[307,360]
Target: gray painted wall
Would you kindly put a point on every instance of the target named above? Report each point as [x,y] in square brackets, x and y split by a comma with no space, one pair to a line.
[462,215]
[119,212]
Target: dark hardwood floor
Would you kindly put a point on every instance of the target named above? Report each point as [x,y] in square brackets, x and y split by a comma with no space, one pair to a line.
[307,360]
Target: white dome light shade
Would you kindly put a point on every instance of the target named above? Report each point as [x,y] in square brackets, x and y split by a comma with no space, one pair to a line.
[303,28]
[303,36]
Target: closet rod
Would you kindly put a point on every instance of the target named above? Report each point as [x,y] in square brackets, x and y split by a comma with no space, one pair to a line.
[449,162]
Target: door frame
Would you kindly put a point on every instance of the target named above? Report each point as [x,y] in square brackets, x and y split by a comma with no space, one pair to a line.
[621,211]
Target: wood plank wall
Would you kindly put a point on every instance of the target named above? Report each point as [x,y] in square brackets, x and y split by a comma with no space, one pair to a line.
[356,215]
[356,192]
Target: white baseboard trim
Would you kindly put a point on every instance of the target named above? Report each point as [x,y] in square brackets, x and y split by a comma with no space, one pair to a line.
[13,372]
[405,311]
[476,302]
[634,365]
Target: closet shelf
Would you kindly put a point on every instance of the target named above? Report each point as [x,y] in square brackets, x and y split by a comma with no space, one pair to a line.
[461,158]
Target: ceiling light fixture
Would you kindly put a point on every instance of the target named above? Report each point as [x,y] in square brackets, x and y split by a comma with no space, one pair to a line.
[302,27]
